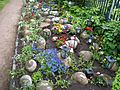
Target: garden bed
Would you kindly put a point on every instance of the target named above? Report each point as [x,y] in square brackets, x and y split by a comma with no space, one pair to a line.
[53,51]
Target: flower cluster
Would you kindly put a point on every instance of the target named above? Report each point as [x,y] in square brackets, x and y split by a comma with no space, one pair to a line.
[61,41]
[51,61]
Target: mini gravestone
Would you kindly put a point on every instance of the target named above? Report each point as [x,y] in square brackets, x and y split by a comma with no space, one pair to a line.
[25,80]
[44,85]
[65,51]
[86,55]
[63,56]
[90,39]
[89,72]
[41,44]
[111,63]
[31,65]
[89,22]
[78,29]
[80,77]
[84,35]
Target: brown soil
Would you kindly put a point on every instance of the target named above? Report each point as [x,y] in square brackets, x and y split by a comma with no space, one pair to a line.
[9,17]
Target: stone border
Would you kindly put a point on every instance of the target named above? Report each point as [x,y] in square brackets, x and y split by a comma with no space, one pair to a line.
[12,79]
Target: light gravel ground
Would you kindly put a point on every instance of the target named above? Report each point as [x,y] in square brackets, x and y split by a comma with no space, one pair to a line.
[9,18]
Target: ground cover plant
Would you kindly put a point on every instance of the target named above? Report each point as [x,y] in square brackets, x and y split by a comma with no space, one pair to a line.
[60,46]
[3,3]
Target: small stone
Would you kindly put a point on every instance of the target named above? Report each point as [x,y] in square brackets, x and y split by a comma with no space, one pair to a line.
[55,13]
[26,27]
[71,49]
[69,26]
[86,55]
[97,73]
[48,20]
[27,32]
[31,65]
[114,67]
[44,24]
[84,35]
[80,77]
[55,19]
[46,13]
[96,46]
[47,32]
[42,43]
[63,21]
[31,0]
[25,80]
[55,38]
[44,85]
[50,16]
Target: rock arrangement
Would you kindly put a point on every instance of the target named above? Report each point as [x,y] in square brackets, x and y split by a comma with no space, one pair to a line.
[46,64]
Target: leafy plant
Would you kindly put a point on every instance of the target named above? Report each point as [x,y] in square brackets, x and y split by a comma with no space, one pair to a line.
[111,38]
[116,82]
[99,81]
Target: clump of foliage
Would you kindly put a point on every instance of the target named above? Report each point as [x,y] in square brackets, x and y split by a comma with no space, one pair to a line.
[116,83]
[99,81]
[111,38]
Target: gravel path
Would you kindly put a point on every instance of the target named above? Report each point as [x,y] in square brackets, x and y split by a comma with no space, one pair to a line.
[9,17]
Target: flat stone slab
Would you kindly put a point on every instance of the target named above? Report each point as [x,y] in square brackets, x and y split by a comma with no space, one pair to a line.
[44,24]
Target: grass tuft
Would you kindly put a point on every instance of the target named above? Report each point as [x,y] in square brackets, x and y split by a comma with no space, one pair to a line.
[3,3]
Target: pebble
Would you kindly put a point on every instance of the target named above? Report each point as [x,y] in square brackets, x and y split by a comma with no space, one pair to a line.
[25,80]
[31,65]
[44,85]
[80,77]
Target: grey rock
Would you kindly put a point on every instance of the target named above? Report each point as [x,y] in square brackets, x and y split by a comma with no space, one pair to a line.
[41,44]
[80,77]
[84,35]
[25,80]
[44,24]
[86,55]
[31,65]
[44,85]
[96,46]
[47,32]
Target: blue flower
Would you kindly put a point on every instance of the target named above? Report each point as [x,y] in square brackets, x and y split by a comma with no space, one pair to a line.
[46,79]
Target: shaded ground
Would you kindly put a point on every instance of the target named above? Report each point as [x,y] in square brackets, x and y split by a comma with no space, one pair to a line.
[9,17]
